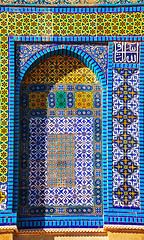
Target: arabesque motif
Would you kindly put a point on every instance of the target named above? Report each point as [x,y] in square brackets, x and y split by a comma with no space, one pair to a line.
[125,138]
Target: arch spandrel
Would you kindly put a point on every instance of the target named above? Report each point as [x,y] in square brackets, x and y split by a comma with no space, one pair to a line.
[67,50]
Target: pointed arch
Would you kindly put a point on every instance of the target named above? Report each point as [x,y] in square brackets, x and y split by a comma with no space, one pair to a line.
[84,57]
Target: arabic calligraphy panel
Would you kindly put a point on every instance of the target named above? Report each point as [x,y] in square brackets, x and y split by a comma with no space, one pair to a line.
[126,52]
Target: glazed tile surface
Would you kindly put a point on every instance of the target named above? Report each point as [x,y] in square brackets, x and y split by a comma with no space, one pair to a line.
[105,84]
[126,137]
[62,151]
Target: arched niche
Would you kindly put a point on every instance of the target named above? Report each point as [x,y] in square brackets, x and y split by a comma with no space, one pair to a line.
[60,140]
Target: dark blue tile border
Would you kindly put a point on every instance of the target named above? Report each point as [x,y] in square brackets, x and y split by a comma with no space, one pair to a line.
[111,8]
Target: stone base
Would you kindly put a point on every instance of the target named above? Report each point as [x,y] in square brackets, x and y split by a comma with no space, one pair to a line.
[6,236]
[128,233]
[110,236]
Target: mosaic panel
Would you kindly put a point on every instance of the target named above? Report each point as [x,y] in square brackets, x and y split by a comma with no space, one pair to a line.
[62,151]
[83,100]
[61,99]
[120,23]
[126,138]
[3,196]
[29,23]
[8,27]
[42,24]
[74,24]
[61,167]
[98,24]
[63,193]
[58,171]
[3,111]
[37,100]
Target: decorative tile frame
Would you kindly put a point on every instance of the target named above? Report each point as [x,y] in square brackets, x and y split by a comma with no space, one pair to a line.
[111,216]
[127,66]
[125,216]
[33,61]
[141,124]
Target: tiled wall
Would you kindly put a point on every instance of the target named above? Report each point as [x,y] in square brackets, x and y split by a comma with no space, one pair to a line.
[30,35]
